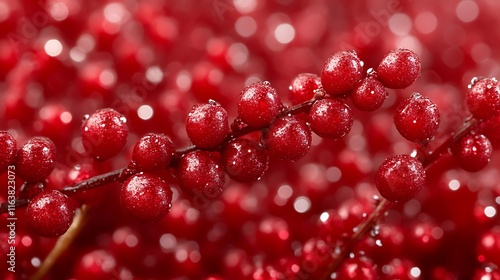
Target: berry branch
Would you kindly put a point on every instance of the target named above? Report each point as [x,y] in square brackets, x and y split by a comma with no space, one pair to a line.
[282,134]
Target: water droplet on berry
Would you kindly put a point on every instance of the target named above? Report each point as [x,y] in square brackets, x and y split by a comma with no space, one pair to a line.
[267,83]
[473,81]
[85,117]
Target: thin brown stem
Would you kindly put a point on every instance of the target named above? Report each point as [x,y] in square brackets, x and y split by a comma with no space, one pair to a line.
[62,244]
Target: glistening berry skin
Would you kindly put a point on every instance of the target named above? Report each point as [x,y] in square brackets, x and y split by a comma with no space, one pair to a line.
[303,87]
[288,138]
[152,151]
[200,174]
[8,150]
[244,160]
[483,98]
[473,152]
[399,69]
[36,159]
[104,133]
[207,125]
[369,95]
[146,197]
[417,118]
[341,73]
[259,104]
[330,118]
[50,213]
[400,178]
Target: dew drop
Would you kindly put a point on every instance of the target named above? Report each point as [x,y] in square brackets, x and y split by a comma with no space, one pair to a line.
[213,102]
[267,83]
[473,81]
[85,117]
[370,72]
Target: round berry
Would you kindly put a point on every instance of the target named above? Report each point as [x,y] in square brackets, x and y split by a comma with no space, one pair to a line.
[369,95]
[259,104]
[399,69]
[400,178]
[200,174]
[491,129]
[207,125]
[146,197]
[244,160]
[483,98]
[330,118]
[303,87]
[8,150]
[473,152]
[289,138]
[341,73]
[104,133]
[50,213]
[36,159]
[152,151]
[417,118]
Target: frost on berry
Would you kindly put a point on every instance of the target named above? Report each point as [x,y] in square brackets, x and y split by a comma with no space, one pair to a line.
[207,125]
[303,88]
[50,213]
[417,118]
[399,69]
[200,174]
[146,197]
[259,104]
[369,95]
[244,160]
[152,151]
[473,152]
[288,138]
[36,159]
[341,73]
[8,150]
[483,98]
[400,178]
[330,118]
[104,133]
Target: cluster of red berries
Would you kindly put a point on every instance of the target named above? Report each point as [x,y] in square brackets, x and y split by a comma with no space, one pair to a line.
[264,130]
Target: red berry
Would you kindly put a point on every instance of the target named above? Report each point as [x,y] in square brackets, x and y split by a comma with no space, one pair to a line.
[259,104]
[200,174]
[417,118]
[369,95]
[491,129]
[152,151]
[50,213]
[207,125]
[330,118]
[483,98]
[400,178]
[341,73]
[244,160]
[303,87]
[473,152]
[36,159]
[289,138]
[8,150]
[399,69]
[146,197]
[104,133]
